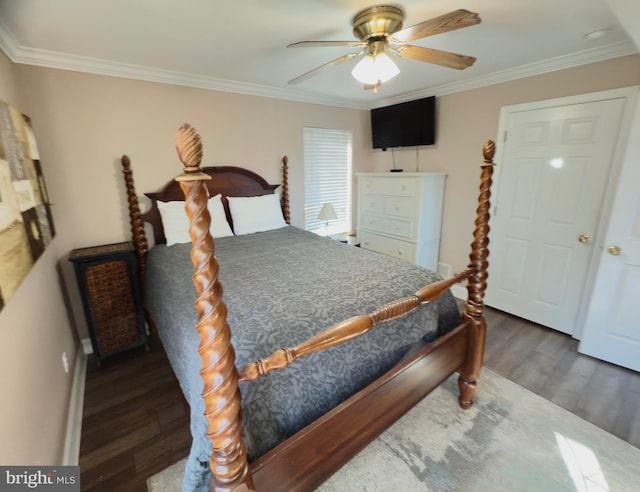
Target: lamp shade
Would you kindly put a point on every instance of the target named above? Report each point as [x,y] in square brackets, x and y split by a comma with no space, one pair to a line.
[374,68]
[327,212]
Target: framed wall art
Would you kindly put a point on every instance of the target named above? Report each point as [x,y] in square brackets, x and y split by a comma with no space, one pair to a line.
[26,225]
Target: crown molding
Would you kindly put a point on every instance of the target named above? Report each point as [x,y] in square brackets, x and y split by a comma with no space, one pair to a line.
[571,60]
[63,61]
[51,59]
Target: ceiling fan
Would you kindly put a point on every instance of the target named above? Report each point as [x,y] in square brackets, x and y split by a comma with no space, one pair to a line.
[379,29]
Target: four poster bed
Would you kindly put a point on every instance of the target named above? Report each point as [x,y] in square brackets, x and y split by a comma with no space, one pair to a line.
[294,427]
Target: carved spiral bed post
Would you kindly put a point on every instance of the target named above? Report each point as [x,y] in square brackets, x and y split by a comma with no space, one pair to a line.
[285,190]
[477,284]
[221,394]
[137,233]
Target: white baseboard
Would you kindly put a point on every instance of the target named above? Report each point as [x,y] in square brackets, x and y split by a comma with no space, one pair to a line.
[71,453]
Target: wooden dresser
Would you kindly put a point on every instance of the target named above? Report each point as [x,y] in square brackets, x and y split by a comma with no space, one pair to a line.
[400,214]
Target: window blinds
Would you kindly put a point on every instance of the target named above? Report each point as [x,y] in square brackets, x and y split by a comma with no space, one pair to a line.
[327,178]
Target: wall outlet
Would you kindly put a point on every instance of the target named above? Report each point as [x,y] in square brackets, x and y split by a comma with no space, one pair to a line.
[87,348]
[65,362]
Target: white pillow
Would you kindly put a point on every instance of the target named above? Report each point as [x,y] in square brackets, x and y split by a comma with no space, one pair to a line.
[219,225]
[256,213]
[176,223]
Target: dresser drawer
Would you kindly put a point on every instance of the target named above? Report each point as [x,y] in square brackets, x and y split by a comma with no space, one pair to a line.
[404,228]
[373,223]
[400,206]
[390,186]
[400,227]
[389,205]
[387,246]
[372,203]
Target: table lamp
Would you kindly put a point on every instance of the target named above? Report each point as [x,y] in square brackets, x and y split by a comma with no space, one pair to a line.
[327,213]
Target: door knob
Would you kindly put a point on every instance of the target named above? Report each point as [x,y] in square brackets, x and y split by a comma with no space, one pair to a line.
[614,250]
[584,238]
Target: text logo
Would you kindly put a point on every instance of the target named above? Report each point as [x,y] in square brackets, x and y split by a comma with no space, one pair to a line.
[40,478]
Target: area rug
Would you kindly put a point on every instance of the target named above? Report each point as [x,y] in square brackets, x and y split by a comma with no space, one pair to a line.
[510,440]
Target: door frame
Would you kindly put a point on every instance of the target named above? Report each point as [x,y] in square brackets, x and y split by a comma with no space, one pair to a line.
[629,94]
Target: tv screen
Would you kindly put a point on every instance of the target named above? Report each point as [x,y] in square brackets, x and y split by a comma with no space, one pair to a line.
[404,125]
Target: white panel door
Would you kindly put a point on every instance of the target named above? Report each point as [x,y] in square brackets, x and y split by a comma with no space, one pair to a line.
[612,324]
[555,167]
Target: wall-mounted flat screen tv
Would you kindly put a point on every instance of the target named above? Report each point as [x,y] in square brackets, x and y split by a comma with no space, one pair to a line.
[405,124]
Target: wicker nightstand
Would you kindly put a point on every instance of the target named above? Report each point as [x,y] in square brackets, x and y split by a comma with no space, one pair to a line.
[111,297]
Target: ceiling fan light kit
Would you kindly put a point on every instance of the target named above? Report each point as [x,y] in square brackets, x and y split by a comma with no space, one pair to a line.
[379,29]
[376,67]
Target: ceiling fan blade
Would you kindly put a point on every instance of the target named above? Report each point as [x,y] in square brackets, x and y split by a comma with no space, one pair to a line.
[321,68]
[324,44]
[437,57]
[443,23]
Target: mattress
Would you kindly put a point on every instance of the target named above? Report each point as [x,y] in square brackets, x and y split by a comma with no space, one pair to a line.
[282,287]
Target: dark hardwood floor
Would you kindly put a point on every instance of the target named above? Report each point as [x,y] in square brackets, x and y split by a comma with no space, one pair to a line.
[547,362]
[135,422]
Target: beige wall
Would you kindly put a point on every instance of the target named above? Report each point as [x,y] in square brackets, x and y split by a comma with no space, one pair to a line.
[34,331]
[86,122]
[467,119]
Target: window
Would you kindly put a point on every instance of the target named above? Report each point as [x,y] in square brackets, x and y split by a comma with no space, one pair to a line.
[327,179]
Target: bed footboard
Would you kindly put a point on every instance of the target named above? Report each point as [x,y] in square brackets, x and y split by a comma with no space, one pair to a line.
[298,466]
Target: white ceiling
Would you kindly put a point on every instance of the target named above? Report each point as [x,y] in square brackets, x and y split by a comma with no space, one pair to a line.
[240,46]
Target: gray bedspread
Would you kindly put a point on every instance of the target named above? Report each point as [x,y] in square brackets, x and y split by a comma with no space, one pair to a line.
[282,287]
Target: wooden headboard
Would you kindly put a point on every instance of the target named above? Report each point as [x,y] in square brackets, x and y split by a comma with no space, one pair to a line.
[227,181]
